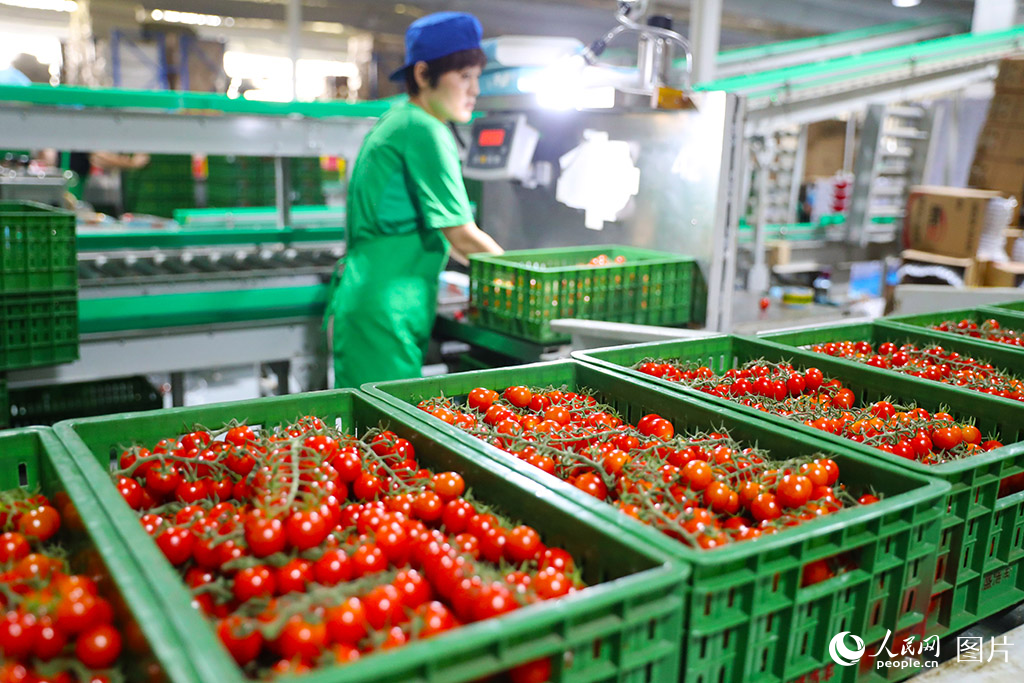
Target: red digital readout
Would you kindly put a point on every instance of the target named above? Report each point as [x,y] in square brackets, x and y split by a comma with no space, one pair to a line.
[491,137]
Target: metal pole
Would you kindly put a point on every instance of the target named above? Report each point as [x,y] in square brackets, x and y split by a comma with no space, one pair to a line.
[282,190]
[705,34]
[993,15]
[849,142]
[953,141]
[758,279]
[294,17]
[797,178]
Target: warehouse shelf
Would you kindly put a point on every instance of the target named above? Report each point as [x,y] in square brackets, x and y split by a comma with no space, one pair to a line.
[177,122]
[184,102]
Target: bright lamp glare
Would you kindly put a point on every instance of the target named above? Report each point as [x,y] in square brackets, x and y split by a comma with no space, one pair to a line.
[52,5]
[906,3]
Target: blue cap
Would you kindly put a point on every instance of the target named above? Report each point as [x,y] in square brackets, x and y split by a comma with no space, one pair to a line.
[438,35]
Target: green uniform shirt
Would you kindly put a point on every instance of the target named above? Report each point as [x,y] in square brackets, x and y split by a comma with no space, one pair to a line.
[407,177]
[406,185]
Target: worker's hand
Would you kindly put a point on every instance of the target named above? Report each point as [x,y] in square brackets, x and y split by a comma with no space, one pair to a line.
[139,160]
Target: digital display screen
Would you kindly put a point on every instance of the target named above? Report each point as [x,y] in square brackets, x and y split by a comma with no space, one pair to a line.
[491,137]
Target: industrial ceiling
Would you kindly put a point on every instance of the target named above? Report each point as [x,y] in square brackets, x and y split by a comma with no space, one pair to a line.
[744,22]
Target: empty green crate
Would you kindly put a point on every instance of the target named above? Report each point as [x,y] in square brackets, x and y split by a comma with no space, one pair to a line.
[749,617]
[1006,359]
[982,535]
[1006,318]
[626,627]
[50,404]
[160,187]
[37,248]
[35,459]
[38,329]
[521,292]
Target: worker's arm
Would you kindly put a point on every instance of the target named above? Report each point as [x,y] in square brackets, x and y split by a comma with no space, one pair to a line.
[468,239]
[108,160]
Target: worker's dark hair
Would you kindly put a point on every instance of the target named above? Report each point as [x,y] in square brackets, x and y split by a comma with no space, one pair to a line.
[442,65]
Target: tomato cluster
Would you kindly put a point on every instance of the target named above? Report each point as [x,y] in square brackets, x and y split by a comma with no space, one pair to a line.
[824,403]
[310,546]
[703,489]
[932,363]
[56,627]
[604,260]
[989,330]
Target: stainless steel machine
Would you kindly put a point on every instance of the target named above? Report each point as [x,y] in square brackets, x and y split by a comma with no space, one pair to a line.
[576,152]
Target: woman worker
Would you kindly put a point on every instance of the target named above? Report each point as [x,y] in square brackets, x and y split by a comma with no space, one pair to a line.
[407,206]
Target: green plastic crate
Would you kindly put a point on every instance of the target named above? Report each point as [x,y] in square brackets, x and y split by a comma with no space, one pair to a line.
[160,187]
[40,328]
[521,292]
[37,248]
[5,405]
[1014,306]
[32,458]
[981,556]
[626,627]
[51,404]
[1005,359]
[749,619]
[1006,318]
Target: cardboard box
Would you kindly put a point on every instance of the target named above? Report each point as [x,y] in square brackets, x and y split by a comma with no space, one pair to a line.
[1011,74]
[826,145]
[946,220]
[1000,143]
[1006,177]
[1009,274]
[778,252]
[971,271]
[1007,108]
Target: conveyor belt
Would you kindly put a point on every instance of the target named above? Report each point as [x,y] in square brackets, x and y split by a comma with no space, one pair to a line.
[123,314]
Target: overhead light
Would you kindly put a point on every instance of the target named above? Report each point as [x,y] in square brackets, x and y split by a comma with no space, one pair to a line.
[906,3]
[52,5]
[190,18]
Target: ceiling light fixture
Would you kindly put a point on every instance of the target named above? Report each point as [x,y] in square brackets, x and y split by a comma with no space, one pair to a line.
[906,3]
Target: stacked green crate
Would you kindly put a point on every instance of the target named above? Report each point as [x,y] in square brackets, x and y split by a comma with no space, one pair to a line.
[250,181]
[307,181]
[164,185]
[38,286]
[239,181]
